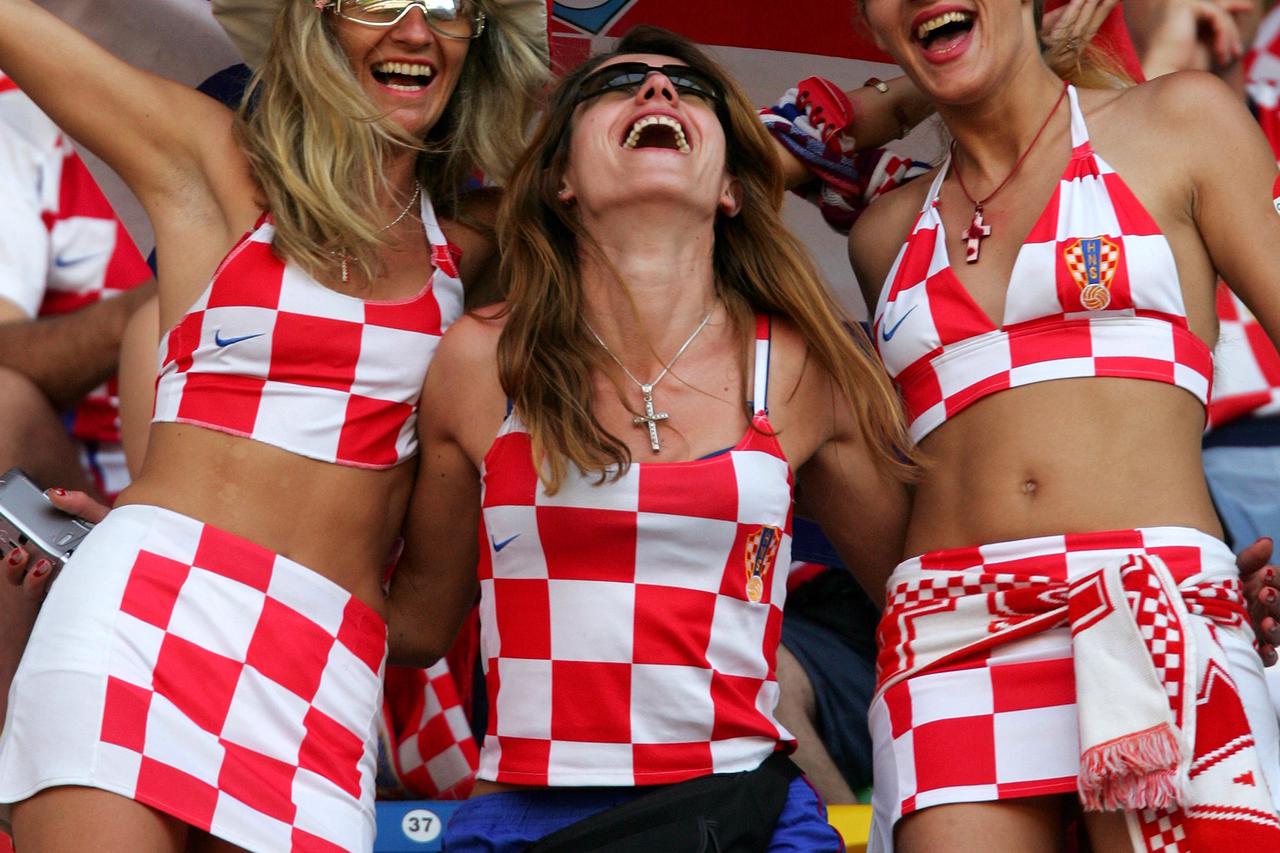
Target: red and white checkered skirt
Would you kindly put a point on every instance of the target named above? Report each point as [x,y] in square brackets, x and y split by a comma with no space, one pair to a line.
[994,715]
[202,675]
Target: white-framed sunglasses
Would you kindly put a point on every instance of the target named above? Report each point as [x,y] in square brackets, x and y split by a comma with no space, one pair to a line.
[455,19]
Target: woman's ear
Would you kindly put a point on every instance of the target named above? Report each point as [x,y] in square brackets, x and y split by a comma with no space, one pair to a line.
[730,202]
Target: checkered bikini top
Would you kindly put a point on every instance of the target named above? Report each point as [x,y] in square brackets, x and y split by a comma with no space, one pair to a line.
[629,629]
[269,353]
[1094,292]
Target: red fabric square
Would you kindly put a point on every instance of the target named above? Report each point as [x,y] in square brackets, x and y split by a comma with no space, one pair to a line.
[435,737]
[1131,367]
[253,278]
[897,700]
[364,634]
[510,478]
[418,314]
[153,588]
[1191,351]
[315,351]
[1182,560]
[960,751]
[591,701]
[259,781]
[665,489]
[524,759]
[672,625]
[1106,540]
[126,267]
[611,555]
[921,389]
[331,751]
[1130,214]
[1046,228]
[234,557]
[226,401]
[371,429]
[290,649]
[183,340]
[952,559]
[734,698]
[1033,684]
[960,400]
[305,842]
[523,609]
[1264,352]
[199,682]
[660,763]
[179,794]
[1071,339]
[124,714]
[956,316]
[915,263]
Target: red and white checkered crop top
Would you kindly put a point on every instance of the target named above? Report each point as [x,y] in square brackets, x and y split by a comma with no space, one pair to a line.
[269,353]
[1094,292]
[629,629]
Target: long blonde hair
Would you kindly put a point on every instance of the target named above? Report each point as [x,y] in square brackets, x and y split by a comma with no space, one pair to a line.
[317,146]
[545,353]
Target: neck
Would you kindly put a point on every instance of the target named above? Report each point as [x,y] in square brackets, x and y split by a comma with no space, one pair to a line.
[992,133]
[663,287]
[401,173]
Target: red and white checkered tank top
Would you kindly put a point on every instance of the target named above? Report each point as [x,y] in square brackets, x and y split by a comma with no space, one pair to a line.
[629,630]
[269,353]
[1094,292]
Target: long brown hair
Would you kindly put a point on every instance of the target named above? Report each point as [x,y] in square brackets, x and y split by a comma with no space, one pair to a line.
[545,353]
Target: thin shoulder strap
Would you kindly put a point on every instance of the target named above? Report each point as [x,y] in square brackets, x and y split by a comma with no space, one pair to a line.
[430,225]
[1079,130]
[764,339]
[936,187]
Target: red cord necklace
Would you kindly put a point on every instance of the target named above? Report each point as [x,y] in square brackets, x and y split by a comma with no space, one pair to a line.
[979,230]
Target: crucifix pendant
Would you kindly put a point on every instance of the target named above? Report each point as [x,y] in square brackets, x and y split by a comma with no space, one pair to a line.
[650,418]
[974,235]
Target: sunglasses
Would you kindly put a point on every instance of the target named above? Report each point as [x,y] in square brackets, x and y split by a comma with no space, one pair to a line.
[455,19]
[629,77]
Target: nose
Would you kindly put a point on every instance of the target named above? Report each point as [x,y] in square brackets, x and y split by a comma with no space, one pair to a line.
[657,87]
[413,28]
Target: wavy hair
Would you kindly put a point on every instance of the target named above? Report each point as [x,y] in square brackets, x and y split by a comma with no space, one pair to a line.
[546,354]
[317,147]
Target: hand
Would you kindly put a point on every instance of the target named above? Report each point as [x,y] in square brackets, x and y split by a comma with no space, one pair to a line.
[34,580]
[1195,35]
[1067,30]
[1262,596]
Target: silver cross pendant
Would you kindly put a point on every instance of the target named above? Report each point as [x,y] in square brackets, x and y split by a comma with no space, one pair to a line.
[650,418]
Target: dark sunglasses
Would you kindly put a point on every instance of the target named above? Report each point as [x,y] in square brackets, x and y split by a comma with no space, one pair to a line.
[628,77]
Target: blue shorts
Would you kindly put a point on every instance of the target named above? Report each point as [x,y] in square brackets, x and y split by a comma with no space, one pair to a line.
[510,822]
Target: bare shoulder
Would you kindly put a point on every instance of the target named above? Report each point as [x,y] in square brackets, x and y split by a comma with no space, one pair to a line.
[879,232]
[1188,110]
[472,340]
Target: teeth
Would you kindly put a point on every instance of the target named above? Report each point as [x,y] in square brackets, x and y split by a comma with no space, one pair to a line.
[636,129]
[406,69]
[954,17]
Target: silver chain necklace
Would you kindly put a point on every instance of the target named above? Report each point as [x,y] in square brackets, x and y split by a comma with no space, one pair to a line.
[346,259]
[650,417]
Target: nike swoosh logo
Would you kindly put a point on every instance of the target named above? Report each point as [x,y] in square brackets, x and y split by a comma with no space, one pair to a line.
[226,342]
[63,263]
[498,546]
[888,334]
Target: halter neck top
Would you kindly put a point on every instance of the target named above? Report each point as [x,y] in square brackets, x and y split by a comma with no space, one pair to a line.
[1094,292]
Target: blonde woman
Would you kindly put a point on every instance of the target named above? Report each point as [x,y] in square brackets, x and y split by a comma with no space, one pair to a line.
[668,367]
[208,664]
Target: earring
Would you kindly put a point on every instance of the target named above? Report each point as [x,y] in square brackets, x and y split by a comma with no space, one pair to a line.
[564,195]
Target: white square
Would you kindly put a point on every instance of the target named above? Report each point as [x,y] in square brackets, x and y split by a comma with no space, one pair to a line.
[947,695]
[732,755]
[757,505]
[1117,339]
[1194,381]
[592,620]
[458,725]
[1002,552]
[449,768]
[974,361]
[302,417]
[216,613]
[82,247]
[135,648]
[1150,253]
[909,315]
[524,702]
[767,702]
[893,759]
[671,704]
[514,546]
[928,420]
[173,739]
[301,590]
[1044,371]
[169,394]
[385,353]
[265,717]
[117,767]
[1085,209]
[301,294]
[666,555]
[490,636]
[579,490]
[349,691]
[448,293]
[1038,743]
[579,763]
[957,794]
[1035,271]
[737,638]
[250,828]
[326,810]
[237,340]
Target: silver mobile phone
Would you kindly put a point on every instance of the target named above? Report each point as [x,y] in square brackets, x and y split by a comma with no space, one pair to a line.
[27,518]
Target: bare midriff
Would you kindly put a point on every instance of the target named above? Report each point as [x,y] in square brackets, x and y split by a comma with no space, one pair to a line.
[1067,456]
[336,520]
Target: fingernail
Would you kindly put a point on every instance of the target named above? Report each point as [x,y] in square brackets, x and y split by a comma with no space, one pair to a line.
[62,493]
[1268,595]
[15,557]
[42,568]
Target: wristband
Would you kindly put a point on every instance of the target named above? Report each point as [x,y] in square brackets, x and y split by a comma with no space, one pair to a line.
[904,126]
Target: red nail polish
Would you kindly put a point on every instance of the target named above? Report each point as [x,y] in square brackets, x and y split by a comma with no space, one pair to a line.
[15,557]
[62,493]
[42,568]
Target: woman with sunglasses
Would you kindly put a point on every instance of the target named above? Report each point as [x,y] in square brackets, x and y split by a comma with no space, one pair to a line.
[667,367]
[206,671]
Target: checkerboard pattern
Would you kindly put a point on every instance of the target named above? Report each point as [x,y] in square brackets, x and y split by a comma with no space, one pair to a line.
[431,747]
[945,353]
[1262,61]
[242,692]
[1247,380]
[621,643]
[977,690]
[88,255]
[268,353]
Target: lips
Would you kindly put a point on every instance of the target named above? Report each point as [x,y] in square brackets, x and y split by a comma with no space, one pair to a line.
[404,76]
[943,32]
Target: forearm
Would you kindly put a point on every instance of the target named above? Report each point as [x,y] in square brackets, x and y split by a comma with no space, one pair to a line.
[69,355]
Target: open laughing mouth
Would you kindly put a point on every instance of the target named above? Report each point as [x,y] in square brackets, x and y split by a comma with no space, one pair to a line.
[657,131]
[943,33]
[403,76]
